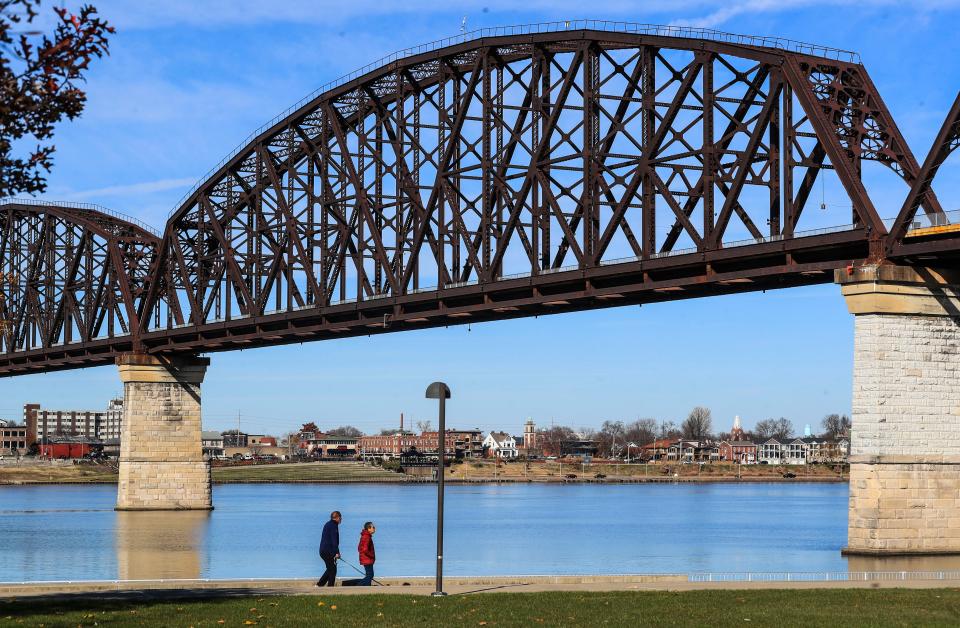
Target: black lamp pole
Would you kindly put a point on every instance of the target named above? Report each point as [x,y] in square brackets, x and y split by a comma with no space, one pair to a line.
[440,391]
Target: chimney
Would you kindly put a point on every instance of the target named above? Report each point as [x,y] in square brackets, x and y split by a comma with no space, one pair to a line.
[401,421]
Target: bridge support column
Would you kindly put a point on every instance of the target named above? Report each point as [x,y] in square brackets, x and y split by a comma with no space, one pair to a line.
[161,460]
[905,445]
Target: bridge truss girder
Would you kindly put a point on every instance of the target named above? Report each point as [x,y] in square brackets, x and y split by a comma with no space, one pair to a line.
[69,278]
[513,176]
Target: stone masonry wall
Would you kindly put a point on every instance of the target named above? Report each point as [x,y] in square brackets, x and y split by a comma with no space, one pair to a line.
[905,448]
[161,459]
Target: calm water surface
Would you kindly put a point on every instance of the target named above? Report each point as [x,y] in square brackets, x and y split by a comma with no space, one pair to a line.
[272,530]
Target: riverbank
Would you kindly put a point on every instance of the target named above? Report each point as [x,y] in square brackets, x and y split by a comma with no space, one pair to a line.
[474,471]
[780,607]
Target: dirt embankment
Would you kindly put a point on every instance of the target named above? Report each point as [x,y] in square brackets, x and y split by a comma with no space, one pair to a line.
[572,470]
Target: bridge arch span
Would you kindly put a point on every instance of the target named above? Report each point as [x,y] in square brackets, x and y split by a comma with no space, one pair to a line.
[72,282]
[515,174]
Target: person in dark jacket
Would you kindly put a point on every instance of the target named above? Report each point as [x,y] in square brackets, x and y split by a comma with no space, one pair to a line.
[330,549]
[368,556]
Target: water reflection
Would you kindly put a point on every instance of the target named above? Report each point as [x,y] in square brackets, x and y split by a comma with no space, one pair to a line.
[165,545]
[903,563]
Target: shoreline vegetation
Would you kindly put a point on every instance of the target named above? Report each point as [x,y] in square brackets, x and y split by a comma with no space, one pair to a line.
[467,472]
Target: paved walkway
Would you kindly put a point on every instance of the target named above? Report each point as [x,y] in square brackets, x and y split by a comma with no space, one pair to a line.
[178,589]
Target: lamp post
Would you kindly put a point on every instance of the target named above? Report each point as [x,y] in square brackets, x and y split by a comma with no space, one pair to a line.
[441,392]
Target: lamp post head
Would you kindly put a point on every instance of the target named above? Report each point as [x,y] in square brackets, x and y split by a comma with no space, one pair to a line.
[438,390]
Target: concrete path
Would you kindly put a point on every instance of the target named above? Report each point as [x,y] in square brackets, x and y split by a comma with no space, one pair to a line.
[180,589]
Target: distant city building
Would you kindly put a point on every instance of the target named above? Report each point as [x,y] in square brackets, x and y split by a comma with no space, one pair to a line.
[682,450]
[234,438]
[212,444]
[261,440]
[66,447]
[770,451]
[95,424]
[737,448]
[531,446]
[794,451]
[657,450]
[740,451]
[500,445]
[15,439]
[466,443]
[579,447]
[327,446]
[394,445]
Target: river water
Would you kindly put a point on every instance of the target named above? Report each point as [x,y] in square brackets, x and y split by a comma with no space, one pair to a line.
[272,530]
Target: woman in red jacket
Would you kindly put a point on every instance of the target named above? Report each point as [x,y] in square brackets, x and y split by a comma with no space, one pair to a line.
[368,556]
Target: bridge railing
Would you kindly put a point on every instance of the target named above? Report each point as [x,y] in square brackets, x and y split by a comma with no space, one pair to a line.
[637,28]
[923,221]
[39,202]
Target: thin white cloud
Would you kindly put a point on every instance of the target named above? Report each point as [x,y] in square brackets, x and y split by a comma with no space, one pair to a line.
[731,10]
[144,187]
[220,14]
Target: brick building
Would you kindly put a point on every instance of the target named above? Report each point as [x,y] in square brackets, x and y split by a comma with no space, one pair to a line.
[742,451]
[393,445]
[16,439]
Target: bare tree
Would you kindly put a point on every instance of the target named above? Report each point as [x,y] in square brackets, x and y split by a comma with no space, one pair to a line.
[610,438]
[553,436]
[641,431]
[698,424]
[835,425]
[347,431]
[668,429]
[425,426]
[765,429]
[781,429]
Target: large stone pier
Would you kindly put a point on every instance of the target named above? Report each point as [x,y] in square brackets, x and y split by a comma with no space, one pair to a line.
[161,460]
[905,446]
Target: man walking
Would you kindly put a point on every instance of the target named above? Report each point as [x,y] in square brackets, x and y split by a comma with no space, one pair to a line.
[330,549]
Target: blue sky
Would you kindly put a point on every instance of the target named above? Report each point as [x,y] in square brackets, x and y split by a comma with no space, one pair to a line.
[188,81]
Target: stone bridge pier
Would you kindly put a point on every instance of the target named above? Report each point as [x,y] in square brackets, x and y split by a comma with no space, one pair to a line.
[161,459]
[905,445]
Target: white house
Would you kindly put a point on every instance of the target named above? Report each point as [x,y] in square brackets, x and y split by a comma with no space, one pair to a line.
[501,445]
[770,452]
[795,451]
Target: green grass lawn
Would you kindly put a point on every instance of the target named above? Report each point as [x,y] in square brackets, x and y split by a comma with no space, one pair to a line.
[833,607]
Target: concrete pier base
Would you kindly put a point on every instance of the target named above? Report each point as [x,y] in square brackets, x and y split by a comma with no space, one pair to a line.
[161,460]
[905,444]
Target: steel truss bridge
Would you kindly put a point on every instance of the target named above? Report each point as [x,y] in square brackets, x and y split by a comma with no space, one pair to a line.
[501,174]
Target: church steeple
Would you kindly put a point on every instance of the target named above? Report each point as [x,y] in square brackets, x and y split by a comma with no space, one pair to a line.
[737,432]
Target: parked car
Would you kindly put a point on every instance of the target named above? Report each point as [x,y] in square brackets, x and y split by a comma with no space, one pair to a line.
[789,475]
[571,476]
[600,476]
